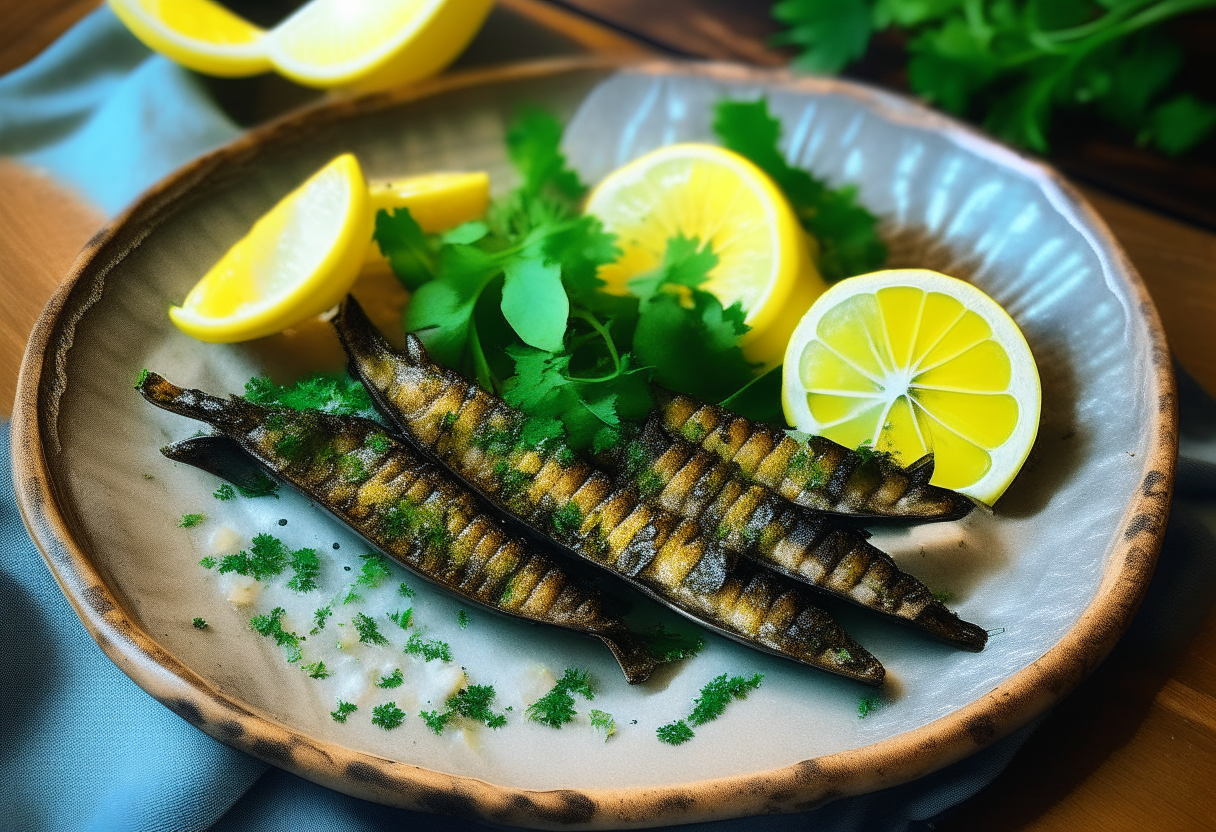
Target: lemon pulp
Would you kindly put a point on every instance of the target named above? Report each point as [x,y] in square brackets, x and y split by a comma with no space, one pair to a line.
[299,259]
[913,362]
[719,197]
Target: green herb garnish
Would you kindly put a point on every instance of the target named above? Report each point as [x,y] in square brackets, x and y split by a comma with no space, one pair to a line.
[556,707]
[271,626]
[416,645]
[266,558]
[345,709]
[200,623]
[319,617]
[369,632]
[317,670]
[718,694]
[472,702]
[307,567]
[602,721]
[405,591]
[675,733]
[190,520]
[402,618]
[462,619]
[224,493]
[375,570]
[208,562]
[868,705]
[388,716]
[394,680]
[668,646]
[328,393]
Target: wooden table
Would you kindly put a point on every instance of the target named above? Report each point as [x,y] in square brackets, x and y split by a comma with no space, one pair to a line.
[1133,748]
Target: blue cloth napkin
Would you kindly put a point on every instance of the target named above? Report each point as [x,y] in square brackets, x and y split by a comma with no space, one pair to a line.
[84,748]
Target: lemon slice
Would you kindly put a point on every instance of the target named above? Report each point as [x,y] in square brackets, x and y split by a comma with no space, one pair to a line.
[373,44]
[299,259]
[198,34]
[715,195]
[912,361]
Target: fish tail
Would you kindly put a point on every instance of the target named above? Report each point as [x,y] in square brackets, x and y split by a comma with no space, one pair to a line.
[233,414]
[632,653]
[936,619]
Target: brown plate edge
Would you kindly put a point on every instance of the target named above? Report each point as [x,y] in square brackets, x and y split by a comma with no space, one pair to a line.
[798,787]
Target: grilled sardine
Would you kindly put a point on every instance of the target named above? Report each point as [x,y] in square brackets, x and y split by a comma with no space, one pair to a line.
[552,492]
[810,546]
[818,473]
[408,508]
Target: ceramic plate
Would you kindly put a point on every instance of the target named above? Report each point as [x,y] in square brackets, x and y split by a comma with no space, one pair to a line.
[1055,573]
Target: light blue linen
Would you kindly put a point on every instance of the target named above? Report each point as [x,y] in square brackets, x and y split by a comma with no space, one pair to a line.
[82,747]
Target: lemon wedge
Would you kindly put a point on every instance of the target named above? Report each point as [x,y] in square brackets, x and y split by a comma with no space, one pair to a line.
[911,361]
[198,34]
[373,44]
[718,196]
[299,259]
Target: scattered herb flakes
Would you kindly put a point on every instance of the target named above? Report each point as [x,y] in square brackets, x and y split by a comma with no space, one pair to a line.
[369,632]
[326,392]
[718,693]
[471,702]
[847,233]
[191,520]
[671,646]
[271,626]
[141,378]
[568,518]
[416,645]
[868,705]
[224,493]
[462,618]
[556,707]
[307,567]
[317,670]
[405,591]
[345,709]
[208,562]
[319,617]
[351,597]
[394,680]
[675,733]
[375,570]
[402,618]
[200,623]
[266,558]
[869,454]
[377,442]
[388,716]
[602,721]
[258,485]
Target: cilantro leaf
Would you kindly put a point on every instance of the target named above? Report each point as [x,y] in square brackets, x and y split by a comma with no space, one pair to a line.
[441,311]
[533,143]
[833,33]
[345,709]
[327,392]
[408,250]
[535,303]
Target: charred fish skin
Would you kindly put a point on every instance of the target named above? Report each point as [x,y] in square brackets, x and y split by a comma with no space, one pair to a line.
[408,508]
[819,473]
[809,546]
[580,507]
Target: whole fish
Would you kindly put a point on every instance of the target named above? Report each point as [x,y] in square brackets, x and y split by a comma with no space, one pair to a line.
[810,546]
[817,473]
[405,506]
[553,493]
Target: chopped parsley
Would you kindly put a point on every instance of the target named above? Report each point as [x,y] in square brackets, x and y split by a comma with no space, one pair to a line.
[667,646]
[326,392]
[266,558]
[224,493]
[405,591]
[675,733]
[402,618]
[378,442]
[462,618]
[568,518]
[869,454]
[394,680]
[471,702]
[258,485]
[271,626]
[319,618]
[868,705]
[388,716]
[416,645]
[317,670]
[345,709]
[200,623]
[208,562]
[369,632]
[351,597]
[307,567]
[556,707]
[191,520]
[603,722]
[375,570]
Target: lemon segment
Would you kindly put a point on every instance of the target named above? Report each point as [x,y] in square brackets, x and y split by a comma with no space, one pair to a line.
[436,201]
[373,44]
[912,361]
[299,259]
[716,196]
[198,34]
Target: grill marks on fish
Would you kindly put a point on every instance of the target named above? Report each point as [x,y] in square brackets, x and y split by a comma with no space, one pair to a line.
[411,510]
[818,474]
[810,546]
[584,510]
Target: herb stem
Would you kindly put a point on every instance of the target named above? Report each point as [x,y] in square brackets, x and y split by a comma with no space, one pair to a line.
[584,315]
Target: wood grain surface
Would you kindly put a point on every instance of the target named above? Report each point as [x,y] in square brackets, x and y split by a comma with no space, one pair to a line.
[1134,748]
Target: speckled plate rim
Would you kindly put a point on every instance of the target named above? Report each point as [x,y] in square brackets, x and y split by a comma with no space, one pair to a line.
[52,523]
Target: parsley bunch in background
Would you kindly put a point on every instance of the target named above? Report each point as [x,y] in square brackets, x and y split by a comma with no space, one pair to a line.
[514,300]
[1010,64]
